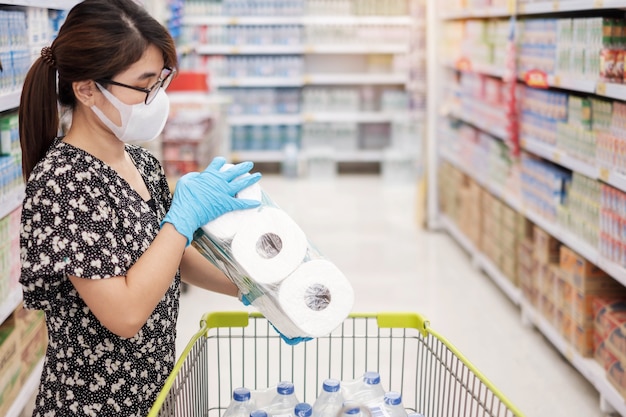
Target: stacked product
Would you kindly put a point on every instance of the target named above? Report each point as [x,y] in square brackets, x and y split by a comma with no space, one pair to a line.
[611,146]
[269,258]
[526,263]
[610,339]
[543,186]
[483,101]
[582,282]
[334,136]
[545,255]
[9,254]
[260,101]
[541,112]
[613,224]
[264,137]
[580,212]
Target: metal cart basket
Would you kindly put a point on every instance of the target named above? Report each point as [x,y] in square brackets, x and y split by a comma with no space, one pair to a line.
[240,349]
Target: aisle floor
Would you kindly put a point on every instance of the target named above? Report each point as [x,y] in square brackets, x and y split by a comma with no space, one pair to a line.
[369,228]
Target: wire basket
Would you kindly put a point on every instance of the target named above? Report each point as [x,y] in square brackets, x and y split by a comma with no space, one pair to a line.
[241,349]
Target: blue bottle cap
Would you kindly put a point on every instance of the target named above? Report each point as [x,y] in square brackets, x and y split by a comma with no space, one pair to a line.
[393,398]
[241,394]
[331,385]
[371,378]
[351,408]
[259,413]
[303,410]
[285,388]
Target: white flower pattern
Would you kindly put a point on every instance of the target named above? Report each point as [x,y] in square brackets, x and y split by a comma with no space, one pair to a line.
[81,218]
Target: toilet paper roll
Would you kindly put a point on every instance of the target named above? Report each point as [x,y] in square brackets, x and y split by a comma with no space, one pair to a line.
[269,245]
[228,224]
[316,297]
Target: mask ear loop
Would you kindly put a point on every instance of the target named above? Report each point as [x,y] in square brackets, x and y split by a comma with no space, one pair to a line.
[123,109]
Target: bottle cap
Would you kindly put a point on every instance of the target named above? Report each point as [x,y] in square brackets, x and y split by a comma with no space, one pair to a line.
[371,378]
[303,410]
[331,385]
[285,388]
[351,408]
[259,413]
[241,394]
[393,398]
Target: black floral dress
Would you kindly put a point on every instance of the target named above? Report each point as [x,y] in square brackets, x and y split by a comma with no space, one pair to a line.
[81,218]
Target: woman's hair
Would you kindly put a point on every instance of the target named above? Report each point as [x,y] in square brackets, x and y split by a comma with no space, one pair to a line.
[99,39]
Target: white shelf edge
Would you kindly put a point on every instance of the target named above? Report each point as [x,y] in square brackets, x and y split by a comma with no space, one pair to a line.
[297,20]
[306,49]
[587,367]
[536,8]
[10,100]
[45,4]
[9,304]
[264,119]
[496,132]
[28,389]
[310,79]
[314,117]
[278,156]
[559,157]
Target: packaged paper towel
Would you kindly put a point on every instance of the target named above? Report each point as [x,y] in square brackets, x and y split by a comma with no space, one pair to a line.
[270,259]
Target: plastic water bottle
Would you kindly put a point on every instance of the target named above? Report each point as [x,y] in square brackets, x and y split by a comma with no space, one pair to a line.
[241,404]
[284,402]
[393,404]
[303,410]
[259,413]
[414,414]
[369,391]
[330,400]
[351,409]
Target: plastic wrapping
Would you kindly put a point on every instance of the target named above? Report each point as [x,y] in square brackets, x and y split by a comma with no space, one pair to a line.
[280,272]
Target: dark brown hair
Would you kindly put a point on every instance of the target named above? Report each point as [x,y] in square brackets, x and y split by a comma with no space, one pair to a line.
[99,39]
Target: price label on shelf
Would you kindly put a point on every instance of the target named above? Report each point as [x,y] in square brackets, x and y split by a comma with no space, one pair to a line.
[510,5]
[233,21]
[235,50]
[463,64]
[601,88]
[605,174]
[556,157]
[309,49]
[598,4]
[308,117]
[555,6]
[557,81]
[307,79]
[536,79]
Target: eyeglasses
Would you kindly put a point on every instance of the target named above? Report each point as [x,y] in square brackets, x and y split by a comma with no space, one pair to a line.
[163,82]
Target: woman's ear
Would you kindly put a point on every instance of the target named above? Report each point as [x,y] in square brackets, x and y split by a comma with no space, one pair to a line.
[84,91]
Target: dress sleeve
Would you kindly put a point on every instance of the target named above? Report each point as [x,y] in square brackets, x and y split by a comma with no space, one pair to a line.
[68,228]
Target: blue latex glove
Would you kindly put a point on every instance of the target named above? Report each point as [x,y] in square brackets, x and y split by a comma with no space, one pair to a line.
[293,341]
[200,197]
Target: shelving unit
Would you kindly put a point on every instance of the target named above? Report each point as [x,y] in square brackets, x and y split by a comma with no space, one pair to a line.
[315,58]
[441,110]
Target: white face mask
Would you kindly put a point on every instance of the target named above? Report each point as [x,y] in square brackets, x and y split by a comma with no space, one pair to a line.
[140,122]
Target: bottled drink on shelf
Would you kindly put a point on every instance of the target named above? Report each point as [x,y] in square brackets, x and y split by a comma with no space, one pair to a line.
[284,401]
[330,400]
[352,409]
[393,406]
[241,404]
[259,413]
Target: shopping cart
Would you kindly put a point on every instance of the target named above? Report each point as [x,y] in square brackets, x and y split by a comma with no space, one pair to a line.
[240,349]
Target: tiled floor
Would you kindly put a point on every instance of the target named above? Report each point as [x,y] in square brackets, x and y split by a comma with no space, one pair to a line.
[369,229]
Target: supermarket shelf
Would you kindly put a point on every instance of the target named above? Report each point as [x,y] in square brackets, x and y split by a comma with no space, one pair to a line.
[10,101]
[264,119]
[357,117]
[493,130]
[537,8]
[10,304]
[355,79]
[484,263]
[615,179]
[312,79]
[278,156]
[11,202]
[257,156]
[587,367]
[339,48]
[29,387]
[296,20]
[46,4]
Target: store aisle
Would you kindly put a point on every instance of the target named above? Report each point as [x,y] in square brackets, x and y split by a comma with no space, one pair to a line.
[369,229]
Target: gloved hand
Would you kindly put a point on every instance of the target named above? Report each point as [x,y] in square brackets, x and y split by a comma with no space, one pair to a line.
[294,341]
[200,197]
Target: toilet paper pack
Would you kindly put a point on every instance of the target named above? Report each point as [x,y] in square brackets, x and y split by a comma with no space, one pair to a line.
[272,262]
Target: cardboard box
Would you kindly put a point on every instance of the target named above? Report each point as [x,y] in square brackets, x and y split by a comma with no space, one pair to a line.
[609,313]
[567,259]
[602,354]
[582,338]
[525,253]
[546,248]
[616,376]
[616,342]
[567,326]
[10,364]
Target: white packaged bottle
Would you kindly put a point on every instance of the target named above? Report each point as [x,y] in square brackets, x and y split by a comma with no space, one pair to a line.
[259,413]
[330,400]
[303,410]
[284,402]
[393,406]
[414,414]
[351,409]
[241,404]
[369,391]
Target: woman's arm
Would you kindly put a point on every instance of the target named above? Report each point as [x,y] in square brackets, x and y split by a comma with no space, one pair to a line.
[123,304]
[196,270]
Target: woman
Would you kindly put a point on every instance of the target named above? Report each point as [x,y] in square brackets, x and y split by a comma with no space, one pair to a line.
[103,245]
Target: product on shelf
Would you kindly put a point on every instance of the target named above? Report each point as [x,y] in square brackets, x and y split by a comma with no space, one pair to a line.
[10,364]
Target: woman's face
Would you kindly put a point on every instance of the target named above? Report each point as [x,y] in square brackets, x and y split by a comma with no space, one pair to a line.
[143,73]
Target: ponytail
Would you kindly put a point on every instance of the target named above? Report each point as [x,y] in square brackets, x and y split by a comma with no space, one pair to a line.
[38,112]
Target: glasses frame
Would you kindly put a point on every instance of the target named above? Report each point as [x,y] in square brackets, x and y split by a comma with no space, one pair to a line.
[158,84]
